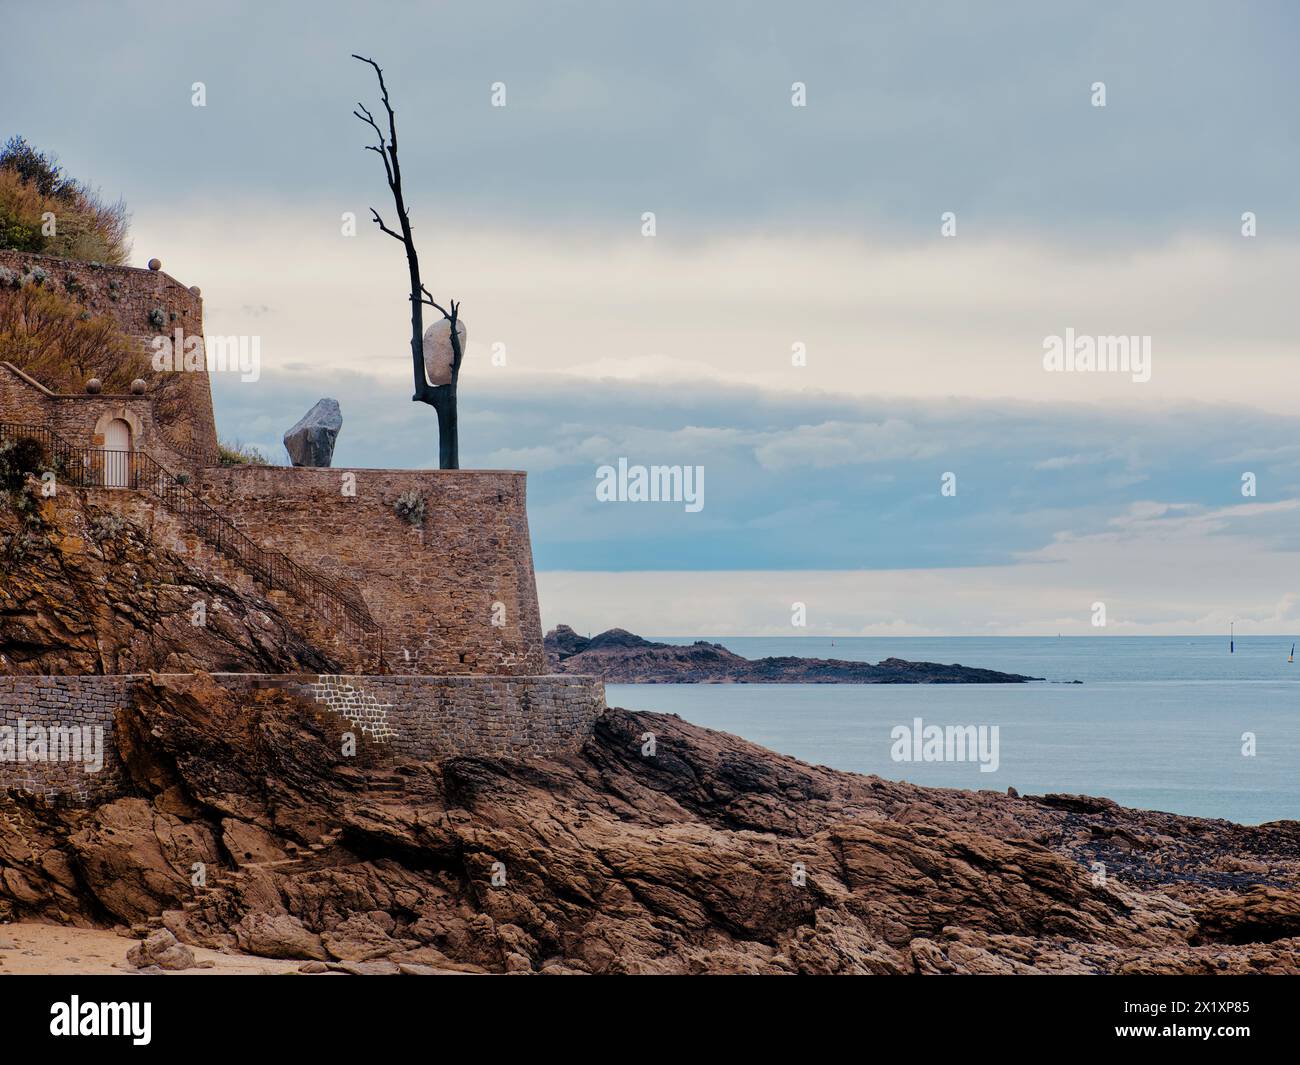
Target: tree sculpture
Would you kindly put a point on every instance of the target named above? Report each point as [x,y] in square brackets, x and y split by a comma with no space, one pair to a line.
[430,369]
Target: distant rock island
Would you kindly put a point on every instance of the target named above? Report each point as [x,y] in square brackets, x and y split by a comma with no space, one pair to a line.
[621,657]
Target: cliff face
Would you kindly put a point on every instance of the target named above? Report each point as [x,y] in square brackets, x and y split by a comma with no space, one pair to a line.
[620,657]
[707,855]
[93,588]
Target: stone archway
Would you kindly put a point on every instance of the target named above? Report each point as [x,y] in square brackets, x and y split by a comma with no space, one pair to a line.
[118,412]
[117,437]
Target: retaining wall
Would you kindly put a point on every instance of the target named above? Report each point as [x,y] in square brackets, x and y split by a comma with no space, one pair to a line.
[53,729]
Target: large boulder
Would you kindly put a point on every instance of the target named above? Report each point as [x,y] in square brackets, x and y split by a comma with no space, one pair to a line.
[311,441]
[163,950]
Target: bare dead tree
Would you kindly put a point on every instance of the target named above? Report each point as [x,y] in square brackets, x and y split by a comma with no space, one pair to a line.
[442,398]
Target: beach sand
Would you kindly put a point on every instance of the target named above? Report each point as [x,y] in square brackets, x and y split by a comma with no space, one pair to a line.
[29,948]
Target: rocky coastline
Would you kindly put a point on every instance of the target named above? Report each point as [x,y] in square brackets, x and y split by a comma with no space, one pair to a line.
[660,847]
[620,657]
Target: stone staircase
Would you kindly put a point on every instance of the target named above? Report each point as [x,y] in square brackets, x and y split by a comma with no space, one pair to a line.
[341,645]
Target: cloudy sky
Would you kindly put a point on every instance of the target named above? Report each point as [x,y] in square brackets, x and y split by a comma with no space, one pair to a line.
[777,228]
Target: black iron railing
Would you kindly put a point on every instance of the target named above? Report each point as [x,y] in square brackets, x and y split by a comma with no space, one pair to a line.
[107,468]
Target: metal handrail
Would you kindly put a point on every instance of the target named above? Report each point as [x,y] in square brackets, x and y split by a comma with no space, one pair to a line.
[107,468]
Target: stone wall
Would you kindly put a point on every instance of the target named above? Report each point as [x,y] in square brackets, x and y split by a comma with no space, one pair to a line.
[35,758]
[429,718]
[416,717]
[80,420]
[130,295]
[455,593]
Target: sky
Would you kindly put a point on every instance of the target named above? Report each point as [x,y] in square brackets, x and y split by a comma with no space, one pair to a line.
[841,315]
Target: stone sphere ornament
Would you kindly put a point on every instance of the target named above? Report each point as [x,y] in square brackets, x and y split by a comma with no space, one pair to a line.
[138,387]
[94,386]
[438,355]
[155,264]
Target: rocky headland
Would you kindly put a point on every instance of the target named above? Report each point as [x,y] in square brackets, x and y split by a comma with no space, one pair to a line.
[661,847]
[620,657]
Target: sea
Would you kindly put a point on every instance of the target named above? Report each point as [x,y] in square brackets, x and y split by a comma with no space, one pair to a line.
[1173,723]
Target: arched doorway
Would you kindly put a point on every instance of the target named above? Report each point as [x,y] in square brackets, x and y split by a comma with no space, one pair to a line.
[117,454]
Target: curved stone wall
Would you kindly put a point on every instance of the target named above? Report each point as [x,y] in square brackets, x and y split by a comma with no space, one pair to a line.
[455,592]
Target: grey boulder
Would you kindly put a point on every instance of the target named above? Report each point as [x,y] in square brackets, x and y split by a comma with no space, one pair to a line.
[311,441]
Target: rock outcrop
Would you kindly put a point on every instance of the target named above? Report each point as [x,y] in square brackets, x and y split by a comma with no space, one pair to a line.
[94,588]
[162,950]
[711,855]
[620,657]
[311,440]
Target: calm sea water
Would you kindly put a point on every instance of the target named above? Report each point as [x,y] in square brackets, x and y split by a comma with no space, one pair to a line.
[1157,722]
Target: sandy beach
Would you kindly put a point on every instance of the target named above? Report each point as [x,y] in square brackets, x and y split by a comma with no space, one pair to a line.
[29,948]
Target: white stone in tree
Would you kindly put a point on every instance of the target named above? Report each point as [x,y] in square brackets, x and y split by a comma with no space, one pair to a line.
[438,355]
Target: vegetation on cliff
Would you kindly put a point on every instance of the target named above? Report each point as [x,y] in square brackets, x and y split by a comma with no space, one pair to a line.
[43,209]
[54,338]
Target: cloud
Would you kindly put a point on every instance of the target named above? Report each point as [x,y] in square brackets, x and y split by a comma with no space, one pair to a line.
[1192,574]
[1025,546]
[920,318]
[837,443]
[685,109]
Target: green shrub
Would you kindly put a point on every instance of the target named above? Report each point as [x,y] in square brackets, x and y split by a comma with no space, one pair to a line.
[237,454]
[410,507]
[32,185]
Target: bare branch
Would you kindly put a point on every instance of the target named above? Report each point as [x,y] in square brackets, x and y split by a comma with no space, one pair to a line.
[428,298]
[380,223]
[392,117]
[379,149]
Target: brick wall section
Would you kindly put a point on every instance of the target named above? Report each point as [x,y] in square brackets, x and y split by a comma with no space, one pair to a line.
[431,587]
[79,702]
[429,718]
[416,717]
[129,295]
